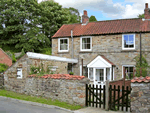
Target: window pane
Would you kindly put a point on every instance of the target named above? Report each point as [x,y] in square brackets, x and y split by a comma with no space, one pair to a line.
[131,41]
[64,47]
[88,46]
[130,69]
[125,41]
[83,46]
[83,40]
[88,40]
[61,41]
[65,41]
[91,73]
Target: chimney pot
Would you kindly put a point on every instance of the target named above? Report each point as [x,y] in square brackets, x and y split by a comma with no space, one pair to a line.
[146,5]
[85,12]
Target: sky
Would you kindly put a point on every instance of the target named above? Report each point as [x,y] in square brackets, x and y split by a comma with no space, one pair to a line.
[107,9]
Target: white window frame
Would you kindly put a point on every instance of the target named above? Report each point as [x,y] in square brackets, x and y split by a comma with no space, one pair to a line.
[123,42]
[90,44]
[19,69]
[59,45]
[127,66]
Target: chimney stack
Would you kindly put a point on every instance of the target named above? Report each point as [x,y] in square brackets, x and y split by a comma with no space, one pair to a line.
[146,12]
[85,18]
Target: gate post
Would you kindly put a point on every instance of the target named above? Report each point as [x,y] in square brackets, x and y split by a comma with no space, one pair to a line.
[107,95]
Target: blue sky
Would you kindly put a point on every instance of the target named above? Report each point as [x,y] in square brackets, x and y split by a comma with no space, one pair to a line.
[107,9]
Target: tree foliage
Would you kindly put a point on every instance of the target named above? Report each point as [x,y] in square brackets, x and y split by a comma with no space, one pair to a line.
[74,15]
[3,67]
[141,68]
[141,16]
[52,17]
[92,19]
[29,25]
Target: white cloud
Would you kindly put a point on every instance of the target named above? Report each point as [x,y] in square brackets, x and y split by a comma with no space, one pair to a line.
[126,9]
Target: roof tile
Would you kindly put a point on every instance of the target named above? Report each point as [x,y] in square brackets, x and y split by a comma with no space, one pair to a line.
[104,27]
[59,76]
[141,79]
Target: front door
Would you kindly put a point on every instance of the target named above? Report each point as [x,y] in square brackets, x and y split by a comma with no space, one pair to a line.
[99,77]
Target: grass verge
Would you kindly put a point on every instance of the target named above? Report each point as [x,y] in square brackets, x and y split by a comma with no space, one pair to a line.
[38,99]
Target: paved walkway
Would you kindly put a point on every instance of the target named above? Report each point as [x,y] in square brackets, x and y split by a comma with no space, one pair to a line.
[95,110]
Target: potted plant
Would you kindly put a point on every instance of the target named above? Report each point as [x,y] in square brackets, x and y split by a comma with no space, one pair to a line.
[71,73]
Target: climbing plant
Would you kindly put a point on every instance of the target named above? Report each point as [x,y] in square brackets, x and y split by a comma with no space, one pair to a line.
[141,69]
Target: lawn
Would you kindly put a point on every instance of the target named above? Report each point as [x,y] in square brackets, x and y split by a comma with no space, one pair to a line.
[38,99]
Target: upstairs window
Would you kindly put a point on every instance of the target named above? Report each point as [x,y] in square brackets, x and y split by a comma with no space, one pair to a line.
[86,43]
[128,41]
[63,45]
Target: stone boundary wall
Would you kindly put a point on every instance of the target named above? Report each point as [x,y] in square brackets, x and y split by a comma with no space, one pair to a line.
[140,97]
[70,91]
[1,81]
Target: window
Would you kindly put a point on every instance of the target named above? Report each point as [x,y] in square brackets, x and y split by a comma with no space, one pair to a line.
[63,44]
[86,43]
[19,72]
[128,41]
[129,71]
[85,71]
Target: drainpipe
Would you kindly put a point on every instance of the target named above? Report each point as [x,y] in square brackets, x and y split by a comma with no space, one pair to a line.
[140,54]
[72,47]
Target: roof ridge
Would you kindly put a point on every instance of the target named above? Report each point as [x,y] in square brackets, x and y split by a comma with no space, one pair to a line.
[107,20]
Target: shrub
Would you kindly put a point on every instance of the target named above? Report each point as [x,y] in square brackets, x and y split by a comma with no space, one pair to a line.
[143,67]
[3,67]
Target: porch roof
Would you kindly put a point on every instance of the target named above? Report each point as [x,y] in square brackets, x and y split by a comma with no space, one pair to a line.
[100,61]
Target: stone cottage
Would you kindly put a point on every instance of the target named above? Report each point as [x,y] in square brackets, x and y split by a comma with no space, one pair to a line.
[15,76]
[106,47]
[4,58]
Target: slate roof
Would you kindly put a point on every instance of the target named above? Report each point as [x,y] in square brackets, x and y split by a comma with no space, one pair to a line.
[60,76]
[141,79]
[135,25]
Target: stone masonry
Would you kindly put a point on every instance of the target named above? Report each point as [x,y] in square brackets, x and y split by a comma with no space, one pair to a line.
[70,91]
[140,97]
[1,81]
[108,45]
[15,84]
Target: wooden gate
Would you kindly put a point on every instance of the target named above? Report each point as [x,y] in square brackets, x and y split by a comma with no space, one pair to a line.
[119,98]
[95,96]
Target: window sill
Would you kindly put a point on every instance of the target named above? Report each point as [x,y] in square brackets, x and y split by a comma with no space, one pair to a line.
[130,50]
[85,51]
[63,52]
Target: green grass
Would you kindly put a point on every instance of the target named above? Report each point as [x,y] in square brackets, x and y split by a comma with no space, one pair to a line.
[38,99]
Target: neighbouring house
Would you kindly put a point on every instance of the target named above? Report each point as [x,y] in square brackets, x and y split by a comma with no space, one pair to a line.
[16,75]
[4,58]
[107,48]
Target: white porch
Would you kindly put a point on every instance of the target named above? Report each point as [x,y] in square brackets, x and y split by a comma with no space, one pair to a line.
[100,70]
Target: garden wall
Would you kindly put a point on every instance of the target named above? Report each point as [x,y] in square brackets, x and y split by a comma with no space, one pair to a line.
[66,89]
[1,81]
[140,95]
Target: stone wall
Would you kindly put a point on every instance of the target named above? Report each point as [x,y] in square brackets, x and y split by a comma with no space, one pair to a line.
[1,81]
[108,45]
[16,84]
[70,91]
[140,97]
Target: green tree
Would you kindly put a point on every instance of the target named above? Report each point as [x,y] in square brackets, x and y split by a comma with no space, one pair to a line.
[141,68]
[74,15]
[52,17]
[92,19]
[20,20]
[141,16]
